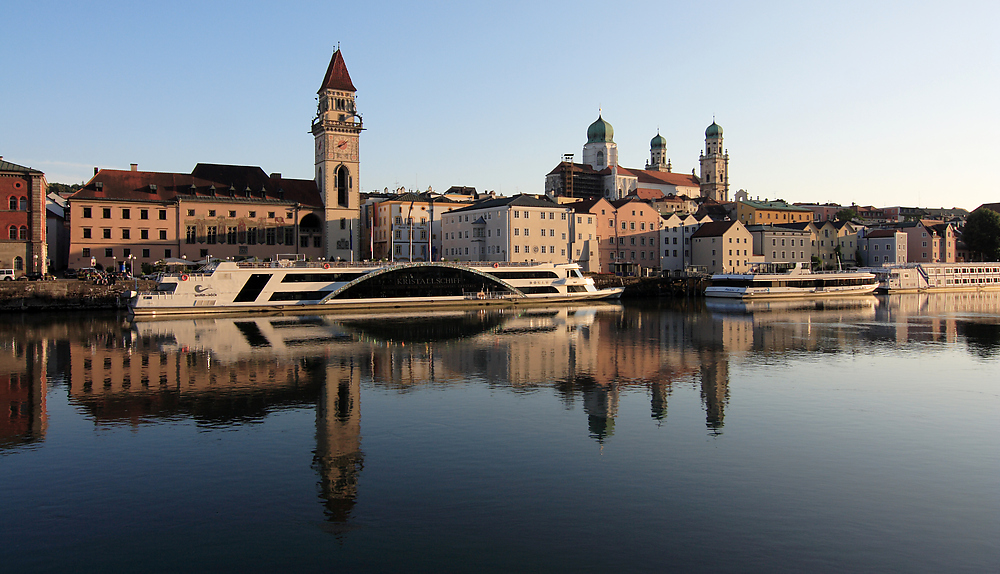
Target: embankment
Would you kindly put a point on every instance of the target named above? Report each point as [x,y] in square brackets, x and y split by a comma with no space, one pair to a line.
[66,295]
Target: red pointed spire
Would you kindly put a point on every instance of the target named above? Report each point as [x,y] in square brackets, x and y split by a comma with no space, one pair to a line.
[337,77]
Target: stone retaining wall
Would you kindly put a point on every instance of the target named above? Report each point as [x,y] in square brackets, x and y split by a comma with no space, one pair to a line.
[66,294]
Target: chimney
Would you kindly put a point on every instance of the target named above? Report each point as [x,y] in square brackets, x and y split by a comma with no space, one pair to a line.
[135,166]
[275,176]
[95,170]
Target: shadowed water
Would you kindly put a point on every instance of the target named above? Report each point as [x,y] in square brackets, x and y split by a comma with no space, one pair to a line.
[826,436]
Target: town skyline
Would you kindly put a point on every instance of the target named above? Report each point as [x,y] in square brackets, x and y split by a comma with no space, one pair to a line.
[841,104]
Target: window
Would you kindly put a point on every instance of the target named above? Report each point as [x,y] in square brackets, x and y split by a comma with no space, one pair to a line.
[143,234]
[106,213]
[126,213]
[190,213]
[270,214]
[13,232]
[211,234]
[126,252]
[86,233]
[126,233]
[232,213]
[163,235]
[211,213]
[167,253]
[143,214]
[106,233]
[191,234]
[108,252]
[87,213]
[271,236]
[86,252]
[163,214]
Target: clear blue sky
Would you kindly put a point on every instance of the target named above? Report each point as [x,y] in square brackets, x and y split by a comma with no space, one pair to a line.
[885,103]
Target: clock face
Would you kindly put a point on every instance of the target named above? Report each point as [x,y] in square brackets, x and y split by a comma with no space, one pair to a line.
[319,149]
[344,149]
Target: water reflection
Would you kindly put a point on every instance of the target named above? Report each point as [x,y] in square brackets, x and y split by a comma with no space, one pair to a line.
[237,371]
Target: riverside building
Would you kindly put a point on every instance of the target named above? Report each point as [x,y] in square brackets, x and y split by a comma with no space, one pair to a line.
[130,217]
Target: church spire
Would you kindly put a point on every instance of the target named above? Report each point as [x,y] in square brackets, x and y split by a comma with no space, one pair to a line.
[336,77]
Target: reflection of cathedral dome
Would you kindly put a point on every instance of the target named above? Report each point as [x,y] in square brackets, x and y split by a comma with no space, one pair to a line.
[714,130]
[658,141]
[600,131]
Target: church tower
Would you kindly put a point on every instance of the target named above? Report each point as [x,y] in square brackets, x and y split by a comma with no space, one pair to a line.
[601,150]
[658,154]
[337,129]
[714,166]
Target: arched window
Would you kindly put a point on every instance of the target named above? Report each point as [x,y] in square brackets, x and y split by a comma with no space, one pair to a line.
[13,203]
[18,264]
[23,233]
[24,204]
[343,186]
[13,232]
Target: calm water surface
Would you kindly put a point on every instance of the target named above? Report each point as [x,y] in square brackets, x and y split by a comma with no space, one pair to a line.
[838,436]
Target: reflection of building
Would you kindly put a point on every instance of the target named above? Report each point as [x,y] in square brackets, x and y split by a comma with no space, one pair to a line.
[338,458]
[23,384]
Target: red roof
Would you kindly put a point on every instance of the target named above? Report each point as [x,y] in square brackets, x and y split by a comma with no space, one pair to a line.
[649,194]
[230,182]
[714,229]
[337,77]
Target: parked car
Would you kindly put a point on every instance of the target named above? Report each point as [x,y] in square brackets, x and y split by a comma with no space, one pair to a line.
[7,274]
[31,276]
[69,274]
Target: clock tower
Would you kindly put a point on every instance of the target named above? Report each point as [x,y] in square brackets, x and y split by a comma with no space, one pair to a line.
[337,129]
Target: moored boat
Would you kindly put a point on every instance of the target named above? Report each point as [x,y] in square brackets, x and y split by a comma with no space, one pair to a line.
[931,277]
[300,286]
[771,281]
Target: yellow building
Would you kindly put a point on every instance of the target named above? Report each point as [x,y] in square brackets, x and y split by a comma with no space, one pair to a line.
[770,213]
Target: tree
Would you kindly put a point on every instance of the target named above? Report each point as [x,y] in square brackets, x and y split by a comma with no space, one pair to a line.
[846,214]
[982,234]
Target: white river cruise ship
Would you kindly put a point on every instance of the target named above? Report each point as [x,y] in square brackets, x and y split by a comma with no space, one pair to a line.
[299,286]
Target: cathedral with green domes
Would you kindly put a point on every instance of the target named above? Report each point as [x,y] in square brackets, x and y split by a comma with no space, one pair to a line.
[599,175]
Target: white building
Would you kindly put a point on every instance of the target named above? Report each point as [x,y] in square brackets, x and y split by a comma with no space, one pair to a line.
[519,228]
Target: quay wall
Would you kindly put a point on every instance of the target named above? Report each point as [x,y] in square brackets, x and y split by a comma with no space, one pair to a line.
[66,295]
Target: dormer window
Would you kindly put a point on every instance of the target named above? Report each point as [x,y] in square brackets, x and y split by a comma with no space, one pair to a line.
[98,185]
[152,188]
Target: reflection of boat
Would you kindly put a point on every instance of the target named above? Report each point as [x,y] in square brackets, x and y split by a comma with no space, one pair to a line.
[770,282]
[919,277]
[865,304]
[227,287]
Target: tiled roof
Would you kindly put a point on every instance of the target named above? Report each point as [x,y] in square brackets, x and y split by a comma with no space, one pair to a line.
[336,77]
[714,229]
[668,178]
[649,194]
[773,205]
[8,166]
[882,233]
[521,200]
[574,167]
[136,186]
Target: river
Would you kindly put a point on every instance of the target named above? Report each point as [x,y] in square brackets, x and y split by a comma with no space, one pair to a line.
[828,436]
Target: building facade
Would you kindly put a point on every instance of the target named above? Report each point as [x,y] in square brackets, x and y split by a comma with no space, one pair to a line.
[765,212]
[22,219]
[675,241]
[722,247]
[122,219]
[337,130]
[519,228]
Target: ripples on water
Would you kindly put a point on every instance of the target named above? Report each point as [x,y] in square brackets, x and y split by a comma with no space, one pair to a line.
[847,435]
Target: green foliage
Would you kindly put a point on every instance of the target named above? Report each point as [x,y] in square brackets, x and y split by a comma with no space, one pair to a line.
[982,234]
[846,214]
[63,189]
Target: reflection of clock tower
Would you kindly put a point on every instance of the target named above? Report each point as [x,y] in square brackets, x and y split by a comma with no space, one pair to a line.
[337,127]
